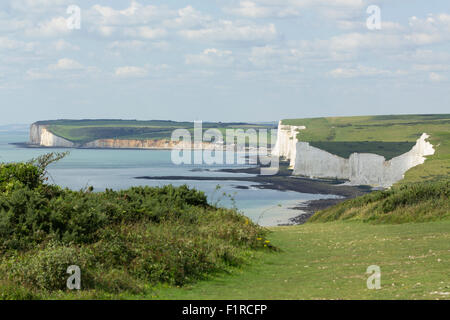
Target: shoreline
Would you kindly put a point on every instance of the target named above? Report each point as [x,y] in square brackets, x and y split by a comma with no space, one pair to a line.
[27,145]
[283,181]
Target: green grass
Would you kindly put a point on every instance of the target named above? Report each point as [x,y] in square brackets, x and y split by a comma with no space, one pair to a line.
[344,149]
[329,261]
[416,202]
[437,166]
[369,128]
[83,131]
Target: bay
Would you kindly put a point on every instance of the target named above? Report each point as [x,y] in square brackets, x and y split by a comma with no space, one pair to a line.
[117,169]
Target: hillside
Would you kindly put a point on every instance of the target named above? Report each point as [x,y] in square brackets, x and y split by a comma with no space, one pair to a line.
[375,150]
[83,131]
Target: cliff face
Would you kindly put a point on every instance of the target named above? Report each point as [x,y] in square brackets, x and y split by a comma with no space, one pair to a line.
[359,169]
[286,145]
[145,144]
[40,135]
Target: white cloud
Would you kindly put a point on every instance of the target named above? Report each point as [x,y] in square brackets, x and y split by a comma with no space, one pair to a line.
[424,56]
[262,56]
[55,27]
[64,69]
[130,72]
[36,5]
[158,22]
[432,67]
[187,17]
[359,71]
[62,45]
[135,14]
[250,9]
[136,21]
[131,44]
[145,32]
[137,45]
[226,30]
[332,9]
[66,64]
[12,44]
[36,74]
[211,57]
[432,29]
[435,77]
[11,24]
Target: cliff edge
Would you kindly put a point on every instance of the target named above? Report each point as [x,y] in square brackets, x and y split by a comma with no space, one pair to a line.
[41,136]
[359,169]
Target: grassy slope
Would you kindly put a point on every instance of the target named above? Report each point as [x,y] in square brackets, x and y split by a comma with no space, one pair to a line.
[371,132]
[415,202]
[329,261]
[437,166]
[82,131]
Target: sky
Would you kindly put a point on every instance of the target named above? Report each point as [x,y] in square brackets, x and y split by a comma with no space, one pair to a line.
[210,60]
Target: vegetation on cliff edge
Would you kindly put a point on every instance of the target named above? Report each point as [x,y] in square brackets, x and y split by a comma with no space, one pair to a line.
[417,202]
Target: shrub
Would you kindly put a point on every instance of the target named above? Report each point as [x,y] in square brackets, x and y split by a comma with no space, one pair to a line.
[18,175]
[11,291]
[46,268]
[417,202]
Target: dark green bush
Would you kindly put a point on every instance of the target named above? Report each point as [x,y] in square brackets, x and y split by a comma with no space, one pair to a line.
[9,290]
[16,175]
[29,216]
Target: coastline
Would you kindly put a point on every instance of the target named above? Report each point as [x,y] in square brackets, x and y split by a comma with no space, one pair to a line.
[283,181]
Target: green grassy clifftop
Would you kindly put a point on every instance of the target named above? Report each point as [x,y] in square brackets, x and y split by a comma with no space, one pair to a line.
[83,131]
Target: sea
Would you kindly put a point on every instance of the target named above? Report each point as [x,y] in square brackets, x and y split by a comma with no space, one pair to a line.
[118,169]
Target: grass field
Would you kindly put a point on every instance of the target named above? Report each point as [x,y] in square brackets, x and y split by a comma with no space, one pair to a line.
[329,261]
[83,131]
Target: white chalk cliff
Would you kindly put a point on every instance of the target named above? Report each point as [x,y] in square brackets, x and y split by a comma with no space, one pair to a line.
[359,169]
[40,135]
[286,142]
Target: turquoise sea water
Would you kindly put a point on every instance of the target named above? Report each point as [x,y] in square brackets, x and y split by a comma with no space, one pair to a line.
[117,169]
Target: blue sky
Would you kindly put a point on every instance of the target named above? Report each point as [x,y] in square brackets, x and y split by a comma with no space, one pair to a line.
[250,60]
